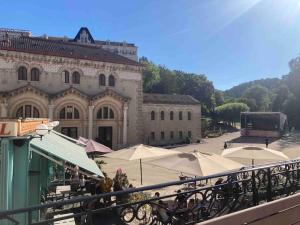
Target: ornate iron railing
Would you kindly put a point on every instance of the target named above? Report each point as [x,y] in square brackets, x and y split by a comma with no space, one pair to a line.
[201,198]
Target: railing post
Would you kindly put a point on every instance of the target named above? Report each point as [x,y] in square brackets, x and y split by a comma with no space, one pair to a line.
[269,187]
[29,218]
[254,191]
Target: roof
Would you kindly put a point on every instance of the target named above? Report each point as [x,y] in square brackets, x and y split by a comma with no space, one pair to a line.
[262,113]
[170,99]
[65,150]
[43,46]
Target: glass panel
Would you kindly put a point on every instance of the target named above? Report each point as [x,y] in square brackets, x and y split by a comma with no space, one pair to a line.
[180,115]
[76,113]
[152,115]
[35,74]
[111,114]
[105,112]
[27,111]
[66,76]
[36,113]
[189,115]
[171,115]
[69,112]
[111,80]
[102,80]
[19,112]
[62,114]
[99,114]
[162,115]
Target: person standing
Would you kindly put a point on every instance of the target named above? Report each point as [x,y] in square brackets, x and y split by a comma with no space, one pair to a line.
[267,142]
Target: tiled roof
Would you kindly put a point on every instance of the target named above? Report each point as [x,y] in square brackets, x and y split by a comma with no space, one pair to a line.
[63,49]
[170,99]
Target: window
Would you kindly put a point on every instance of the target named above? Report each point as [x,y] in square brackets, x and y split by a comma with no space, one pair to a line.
[102,80]
[105,113]
[180,134]
[35,74]
[162,115]
[180,115]
[66,76]
[171,115]
[76,78]
[69,112]
[189,116]
[152,136]
[190,134]
[162,135]
[70,132]
[152,115]
[111,80]
[171,134]
[22,73]
[27,111]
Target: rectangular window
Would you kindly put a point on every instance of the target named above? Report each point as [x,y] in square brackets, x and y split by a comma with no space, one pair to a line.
[70,132]
[105,113]
[171,134]
[180,134]
[162,135]
[27,111]
[69,112]
[152,135]
[190,134]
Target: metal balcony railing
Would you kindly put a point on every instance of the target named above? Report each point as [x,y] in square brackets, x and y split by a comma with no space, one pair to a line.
[200,199]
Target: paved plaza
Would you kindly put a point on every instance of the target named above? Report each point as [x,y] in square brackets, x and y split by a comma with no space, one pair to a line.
[289,144]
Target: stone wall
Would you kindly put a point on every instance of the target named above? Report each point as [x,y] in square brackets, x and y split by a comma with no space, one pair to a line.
[167,126]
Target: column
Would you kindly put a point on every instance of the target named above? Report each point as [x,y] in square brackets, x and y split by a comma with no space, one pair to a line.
[91,112]
[50,112]
[125,124]
[3,109]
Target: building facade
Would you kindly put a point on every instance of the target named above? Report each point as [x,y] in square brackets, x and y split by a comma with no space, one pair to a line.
[93,92]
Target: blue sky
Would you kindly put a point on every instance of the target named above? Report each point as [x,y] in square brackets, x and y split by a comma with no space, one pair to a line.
[231,41]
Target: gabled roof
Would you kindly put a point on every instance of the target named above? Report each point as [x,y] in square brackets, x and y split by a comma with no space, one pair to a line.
[170,99]
[27,88]
[77,37]
[70,90]
[43,46]
[112,93]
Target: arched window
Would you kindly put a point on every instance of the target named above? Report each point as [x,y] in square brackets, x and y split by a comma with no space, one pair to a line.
[105,113]
[180,115]
[76,78]
[69,112]
[27,111]
[22,73]
[171,115]
[162,115]
[66,76]
[152,115]
[189,116]
[102,80]
[35,74]
[111,80]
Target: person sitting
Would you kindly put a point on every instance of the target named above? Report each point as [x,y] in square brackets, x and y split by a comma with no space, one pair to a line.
[180,200]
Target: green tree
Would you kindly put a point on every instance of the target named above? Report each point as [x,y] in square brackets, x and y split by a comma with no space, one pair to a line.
[259,96]
[219,98]
[151,75]
[230,112]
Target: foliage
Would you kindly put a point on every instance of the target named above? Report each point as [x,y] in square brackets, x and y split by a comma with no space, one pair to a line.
[230,112]
[120,181]
[259,97]
[219,98]
[159,79]
[105,185]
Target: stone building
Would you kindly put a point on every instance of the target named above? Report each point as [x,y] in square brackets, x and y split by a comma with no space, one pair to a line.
[93,88]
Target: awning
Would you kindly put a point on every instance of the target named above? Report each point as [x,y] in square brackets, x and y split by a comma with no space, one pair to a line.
[65,150]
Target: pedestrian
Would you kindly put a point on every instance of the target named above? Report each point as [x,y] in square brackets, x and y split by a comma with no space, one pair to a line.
[267,142]
[225,145]
[82,182]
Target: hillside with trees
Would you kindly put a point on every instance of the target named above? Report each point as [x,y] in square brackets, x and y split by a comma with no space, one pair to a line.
[271,94]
